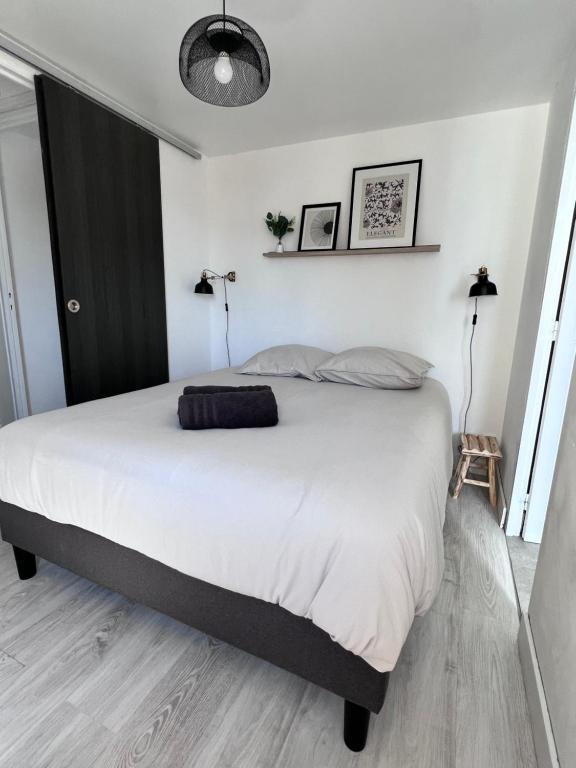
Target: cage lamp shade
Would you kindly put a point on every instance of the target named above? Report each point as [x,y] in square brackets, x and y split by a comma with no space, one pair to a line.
[223,61]
[482,286]
[204,286]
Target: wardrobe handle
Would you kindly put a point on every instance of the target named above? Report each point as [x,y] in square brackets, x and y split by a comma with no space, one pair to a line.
[73,306]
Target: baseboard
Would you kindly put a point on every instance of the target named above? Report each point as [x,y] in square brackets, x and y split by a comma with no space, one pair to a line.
[544,744]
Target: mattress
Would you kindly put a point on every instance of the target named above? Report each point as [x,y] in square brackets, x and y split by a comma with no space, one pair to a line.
[336,514]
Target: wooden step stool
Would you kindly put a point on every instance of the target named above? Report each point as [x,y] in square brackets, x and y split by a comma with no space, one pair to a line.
[476,447]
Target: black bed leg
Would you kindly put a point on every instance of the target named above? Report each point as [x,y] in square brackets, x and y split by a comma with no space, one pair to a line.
[356,722]
[25,563]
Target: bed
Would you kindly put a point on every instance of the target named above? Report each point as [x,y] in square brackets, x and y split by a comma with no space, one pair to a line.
[312,544]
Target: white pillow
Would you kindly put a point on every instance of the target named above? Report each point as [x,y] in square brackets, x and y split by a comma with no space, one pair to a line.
[375,367]
[287,360]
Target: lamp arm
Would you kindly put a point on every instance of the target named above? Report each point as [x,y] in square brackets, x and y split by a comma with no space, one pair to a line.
[230,276]
[216,276]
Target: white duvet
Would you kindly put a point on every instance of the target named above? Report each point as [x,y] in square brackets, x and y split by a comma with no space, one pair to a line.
[336,514]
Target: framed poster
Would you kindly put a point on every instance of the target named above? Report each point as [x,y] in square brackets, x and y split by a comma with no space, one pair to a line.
[384,206]
[319,227]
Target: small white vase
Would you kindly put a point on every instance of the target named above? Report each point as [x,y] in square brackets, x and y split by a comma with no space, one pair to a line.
[280,247]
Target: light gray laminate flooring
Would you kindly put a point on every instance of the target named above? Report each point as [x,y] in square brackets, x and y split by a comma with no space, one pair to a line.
[89,679]
[524,557]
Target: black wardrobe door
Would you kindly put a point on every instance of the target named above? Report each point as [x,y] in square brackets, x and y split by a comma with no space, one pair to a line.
[103,189]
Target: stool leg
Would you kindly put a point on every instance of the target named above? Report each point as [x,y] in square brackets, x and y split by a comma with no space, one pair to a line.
[463,466]
[456,474]
[493,490]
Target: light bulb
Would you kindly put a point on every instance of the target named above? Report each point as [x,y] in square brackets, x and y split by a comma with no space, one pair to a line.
[223,68]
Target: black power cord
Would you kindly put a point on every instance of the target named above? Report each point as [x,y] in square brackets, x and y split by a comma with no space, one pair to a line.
[227,320]
[474,321]
[229,276]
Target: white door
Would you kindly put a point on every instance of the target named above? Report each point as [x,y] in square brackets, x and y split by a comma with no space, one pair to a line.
[12,379]
[562,356]
[7,405]
[553,355]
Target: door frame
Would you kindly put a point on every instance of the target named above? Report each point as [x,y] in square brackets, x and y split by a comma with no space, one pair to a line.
[549,331]
[20,73]
[11,331]
[554,406]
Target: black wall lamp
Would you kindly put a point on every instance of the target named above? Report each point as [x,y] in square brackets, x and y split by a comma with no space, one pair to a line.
[205,287]
[482,287]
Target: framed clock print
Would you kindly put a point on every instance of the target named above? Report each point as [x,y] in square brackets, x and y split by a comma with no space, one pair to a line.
[319,227]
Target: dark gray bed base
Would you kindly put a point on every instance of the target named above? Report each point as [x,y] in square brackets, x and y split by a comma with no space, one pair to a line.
[260,628]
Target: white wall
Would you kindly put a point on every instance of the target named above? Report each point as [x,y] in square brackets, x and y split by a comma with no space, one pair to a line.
[561,108]
[183,181]
[478,190]
[29,239]
[552,608]
[479,181]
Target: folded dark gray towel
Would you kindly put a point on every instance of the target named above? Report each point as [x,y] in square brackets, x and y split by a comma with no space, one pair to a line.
[228,410]
[211,389]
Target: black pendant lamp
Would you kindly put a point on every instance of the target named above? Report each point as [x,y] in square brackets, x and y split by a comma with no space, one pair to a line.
[224,62]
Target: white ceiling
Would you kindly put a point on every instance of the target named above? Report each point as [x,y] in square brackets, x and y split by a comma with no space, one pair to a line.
[338,66]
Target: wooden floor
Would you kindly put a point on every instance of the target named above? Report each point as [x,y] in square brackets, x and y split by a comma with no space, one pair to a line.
[524,557]
[90,680]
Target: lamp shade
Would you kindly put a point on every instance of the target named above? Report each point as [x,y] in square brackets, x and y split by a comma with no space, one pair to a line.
[204,286]
[245,76]
[482,286]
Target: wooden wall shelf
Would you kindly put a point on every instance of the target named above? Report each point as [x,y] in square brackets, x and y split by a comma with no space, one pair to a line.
[357,251]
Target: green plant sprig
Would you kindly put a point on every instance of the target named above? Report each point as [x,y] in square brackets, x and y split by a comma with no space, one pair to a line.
[279,225]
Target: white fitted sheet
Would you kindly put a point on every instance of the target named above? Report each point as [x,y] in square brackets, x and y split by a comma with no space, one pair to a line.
[336,514]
